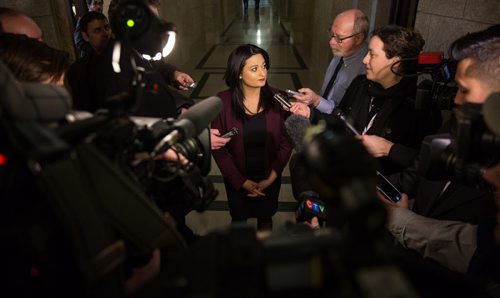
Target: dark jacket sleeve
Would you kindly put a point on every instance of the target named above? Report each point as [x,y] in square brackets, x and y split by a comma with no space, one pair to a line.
[402,155]
[167,71]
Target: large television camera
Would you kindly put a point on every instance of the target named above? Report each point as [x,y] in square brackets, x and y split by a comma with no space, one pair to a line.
[95,189]
[296,261]
[438,92]
[472,145]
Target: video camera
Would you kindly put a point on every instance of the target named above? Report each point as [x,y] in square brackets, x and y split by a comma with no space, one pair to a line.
[472,145]
[296,261]
[439,92]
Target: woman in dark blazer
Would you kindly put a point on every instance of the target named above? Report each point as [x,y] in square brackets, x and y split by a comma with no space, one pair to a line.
[252,161]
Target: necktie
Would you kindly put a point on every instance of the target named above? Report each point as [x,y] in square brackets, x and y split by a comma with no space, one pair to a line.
[334,76]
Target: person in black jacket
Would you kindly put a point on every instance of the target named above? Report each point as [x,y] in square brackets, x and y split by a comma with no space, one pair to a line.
[81,44]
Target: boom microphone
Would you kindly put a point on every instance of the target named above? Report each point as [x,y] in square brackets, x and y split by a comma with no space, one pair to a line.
[296,126]
[191,123]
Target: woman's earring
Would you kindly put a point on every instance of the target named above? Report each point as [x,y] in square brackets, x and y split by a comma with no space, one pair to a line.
[241,77]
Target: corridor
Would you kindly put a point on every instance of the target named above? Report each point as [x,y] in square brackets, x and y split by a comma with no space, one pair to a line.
[259,27]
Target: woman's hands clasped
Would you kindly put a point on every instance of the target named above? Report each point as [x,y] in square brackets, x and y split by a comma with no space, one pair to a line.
[256,189]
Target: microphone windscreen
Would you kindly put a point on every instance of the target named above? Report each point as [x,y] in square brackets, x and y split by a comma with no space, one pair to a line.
[296,126]
[202,113]
[491,112]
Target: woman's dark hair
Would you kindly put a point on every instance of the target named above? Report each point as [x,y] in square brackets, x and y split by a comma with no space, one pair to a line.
[235,64]
[31,60]
[403,42]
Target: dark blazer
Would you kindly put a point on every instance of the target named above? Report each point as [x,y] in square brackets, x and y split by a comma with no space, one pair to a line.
[231,158]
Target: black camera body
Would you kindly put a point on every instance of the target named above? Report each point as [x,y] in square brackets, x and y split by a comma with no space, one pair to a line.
[462,154]
[439,92]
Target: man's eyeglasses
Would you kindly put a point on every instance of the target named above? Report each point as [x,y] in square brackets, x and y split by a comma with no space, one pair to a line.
[338,39]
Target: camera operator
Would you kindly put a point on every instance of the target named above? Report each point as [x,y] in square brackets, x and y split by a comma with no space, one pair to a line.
[446,221]
[95,84]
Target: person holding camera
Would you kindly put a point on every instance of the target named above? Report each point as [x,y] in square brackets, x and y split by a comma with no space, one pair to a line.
[252,161]
[451,223]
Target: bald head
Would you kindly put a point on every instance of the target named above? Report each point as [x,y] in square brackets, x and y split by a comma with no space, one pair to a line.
[15,22]
[354,20]
[348,32]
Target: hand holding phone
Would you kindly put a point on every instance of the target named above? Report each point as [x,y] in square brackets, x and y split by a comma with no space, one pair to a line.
[387,189]
[231,133]
[282,100]
[190,85]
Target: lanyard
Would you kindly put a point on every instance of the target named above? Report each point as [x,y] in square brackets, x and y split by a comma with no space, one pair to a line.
[370,123]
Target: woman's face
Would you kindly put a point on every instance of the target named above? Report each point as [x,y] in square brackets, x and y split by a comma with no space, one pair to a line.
[254,72]
[378,66]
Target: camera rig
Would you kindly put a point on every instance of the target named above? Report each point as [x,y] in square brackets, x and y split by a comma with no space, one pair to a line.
[438,92]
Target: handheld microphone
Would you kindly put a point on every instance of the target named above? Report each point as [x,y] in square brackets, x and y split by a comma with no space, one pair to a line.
[191,123]
[296,126]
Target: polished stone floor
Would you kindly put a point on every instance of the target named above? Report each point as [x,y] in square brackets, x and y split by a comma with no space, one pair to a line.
[262,28]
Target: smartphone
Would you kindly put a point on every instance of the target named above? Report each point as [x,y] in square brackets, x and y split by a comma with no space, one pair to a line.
[231,133]
[291,92]
[341,116]
[388,189]
[191,85]
[282,100]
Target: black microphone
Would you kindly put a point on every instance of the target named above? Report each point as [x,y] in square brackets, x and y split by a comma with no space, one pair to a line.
[191,123]
[296,126]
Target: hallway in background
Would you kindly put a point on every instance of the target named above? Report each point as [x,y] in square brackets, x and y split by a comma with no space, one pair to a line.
[259,27]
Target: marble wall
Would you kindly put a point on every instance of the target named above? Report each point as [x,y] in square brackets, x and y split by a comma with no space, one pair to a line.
[199,22]
[441,22]
[308,23]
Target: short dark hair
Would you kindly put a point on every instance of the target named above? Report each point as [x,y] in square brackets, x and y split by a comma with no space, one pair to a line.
[31,60]
[403,42]
[89,17]
[483,47]
[235,64]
